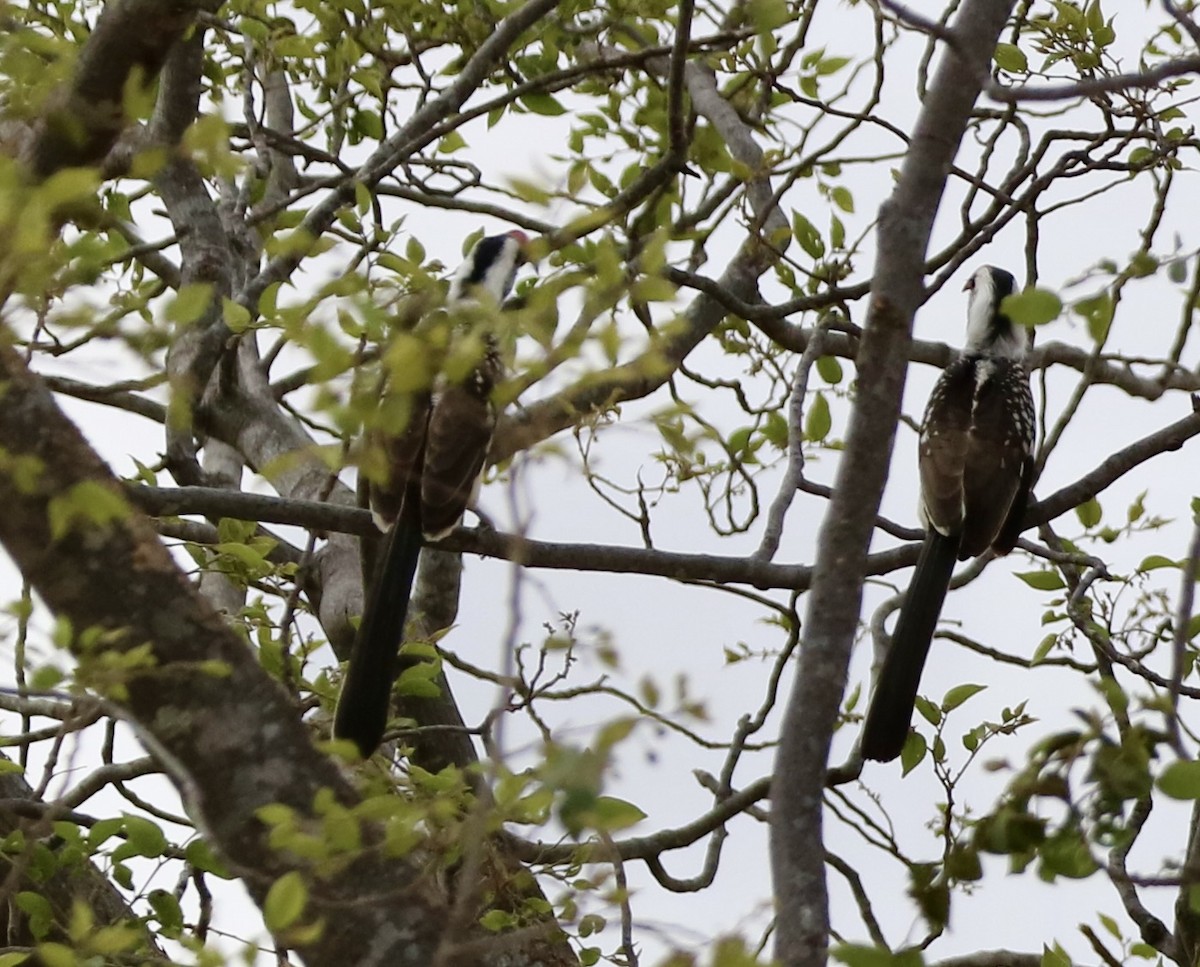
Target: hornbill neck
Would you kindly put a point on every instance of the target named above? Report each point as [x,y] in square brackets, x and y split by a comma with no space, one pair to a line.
[989,331]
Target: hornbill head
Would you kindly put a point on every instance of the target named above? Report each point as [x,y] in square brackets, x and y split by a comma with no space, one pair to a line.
[989,331]
[491,267]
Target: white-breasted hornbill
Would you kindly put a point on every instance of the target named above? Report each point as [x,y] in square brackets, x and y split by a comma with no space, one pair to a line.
[976,468]
[433,469]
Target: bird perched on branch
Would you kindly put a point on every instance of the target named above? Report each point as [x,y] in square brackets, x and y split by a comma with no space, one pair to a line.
[976,467]
[433,468]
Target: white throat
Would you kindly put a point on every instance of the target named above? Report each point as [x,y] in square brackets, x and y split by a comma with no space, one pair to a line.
[988,334]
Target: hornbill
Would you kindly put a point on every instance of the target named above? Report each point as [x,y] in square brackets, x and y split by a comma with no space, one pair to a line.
[433,469]
[976,468]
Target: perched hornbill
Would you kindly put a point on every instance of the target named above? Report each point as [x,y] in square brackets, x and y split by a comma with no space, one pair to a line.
[433,468]
[976,463]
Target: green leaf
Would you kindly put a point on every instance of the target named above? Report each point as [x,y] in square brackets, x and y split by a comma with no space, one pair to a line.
[928,711]
[103,831]
[1181,780]
[843,199]
[914,751]
[959,694]
[145,836]
[362,204]
[611,814]
[85,505]
[830,370]
[166,908]
[766,15]
[963,864]
[837,232]
[38,909]
[237,316]
[1010,57]
[739,441]
[189,303]
[1089,513]
[1043,649]
[1142,265]
[1066,854]
[451,142]
[1155,561]
[1056,957]
[57,955]
[69,185]
[420,680]
[497,920]
[543,104]
[1042,580]
[369,124]
[817,421]
[1141,156]
[831,65]
[200,855]
[285,902]
[807,236]
[1033,307]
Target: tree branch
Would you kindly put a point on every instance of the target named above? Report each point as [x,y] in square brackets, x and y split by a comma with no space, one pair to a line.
[131,37]
[226,732]
[834,602]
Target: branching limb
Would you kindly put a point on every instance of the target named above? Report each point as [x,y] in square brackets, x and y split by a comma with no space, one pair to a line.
[1154,931]
[834,603]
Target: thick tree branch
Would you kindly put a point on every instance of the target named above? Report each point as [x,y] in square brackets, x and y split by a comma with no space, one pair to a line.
[835,599]
[68,885]
[131,38]
[331,517]
[226,732]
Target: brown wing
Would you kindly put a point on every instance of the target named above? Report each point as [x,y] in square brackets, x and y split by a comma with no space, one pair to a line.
[943,449]
[1001,443]
[456,444]
[1006,540]
[402,453]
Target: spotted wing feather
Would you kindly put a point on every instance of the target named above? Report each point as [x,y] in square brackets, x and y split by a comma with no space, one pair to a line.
[943,448]
[1000,445]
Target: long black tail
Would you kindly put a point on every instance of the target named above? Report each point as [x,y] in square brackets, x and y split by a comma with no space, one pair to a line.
[895,693]
[362,709]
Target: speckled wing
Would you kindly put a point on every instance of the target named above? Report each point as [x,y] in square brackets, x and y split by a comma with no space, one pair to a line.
[1000,447]
[459,434]
[942,453]
[402,453]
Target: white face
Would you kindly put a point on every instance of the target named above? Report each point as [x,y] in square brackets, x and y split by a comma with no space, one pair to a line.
[983,335]
[497,277]
[980,306]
